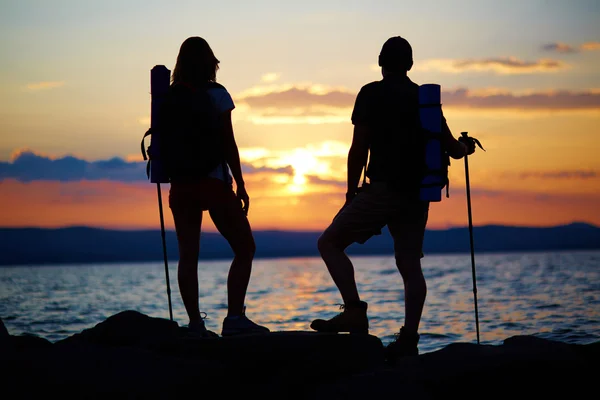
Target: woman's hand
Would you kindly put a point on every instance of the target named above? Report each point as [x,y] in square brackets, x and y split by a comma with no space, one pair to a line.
[242,195]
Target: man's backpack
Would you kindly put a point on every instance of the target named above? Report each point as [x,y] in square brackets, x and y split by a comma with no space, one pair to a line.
[435,167]
[436,159]
[190,134]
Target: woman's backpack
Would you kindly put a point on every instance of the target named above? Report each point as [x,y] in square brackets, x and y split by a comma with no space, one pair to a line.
[190,135]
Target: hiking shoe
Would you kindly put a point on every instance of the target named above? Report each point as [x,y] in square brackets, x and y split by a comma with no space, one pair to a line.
[352,319]
[241,325]
[404,345]
[199,328]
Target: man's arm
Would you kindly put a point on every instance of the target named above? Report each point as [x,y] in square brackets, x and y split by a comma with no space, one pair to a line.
[357,158]
[455,149]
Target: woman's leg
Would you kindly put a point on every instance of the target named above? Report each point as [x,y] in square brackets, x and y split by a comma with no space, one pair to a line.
[188,221]
[232,223]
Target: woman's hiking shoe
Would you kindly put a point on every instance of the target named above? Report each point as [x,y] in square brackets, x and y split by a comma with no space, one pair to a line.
[352,319]
[197,328]
[241,325]
[404,345]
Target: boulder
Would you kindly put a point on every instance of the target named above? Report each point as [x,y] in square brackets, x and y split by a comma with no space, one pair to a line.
[3,331]
[132,355]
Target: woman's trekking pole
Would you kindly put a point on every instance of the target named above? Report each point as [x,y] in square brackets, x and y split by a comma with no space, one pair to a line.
[466,136]
[159,83]
[164,246]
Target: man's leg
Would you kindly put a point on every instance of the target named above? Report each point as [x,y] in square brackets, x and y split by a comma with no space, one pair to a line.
[408,231]
[360,220]
[332,245]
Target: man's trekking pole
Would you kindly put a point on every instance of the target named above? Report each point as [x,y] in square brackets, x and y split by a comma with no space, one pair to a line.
[159,85]
[466,136]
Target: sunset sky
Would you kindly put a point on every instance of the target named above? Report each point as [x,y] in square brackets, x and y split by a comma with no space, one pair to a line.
[521,76]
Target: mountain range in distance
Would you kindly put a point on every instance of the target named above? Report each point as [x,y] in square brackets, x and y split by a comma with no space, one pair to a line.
[84,245]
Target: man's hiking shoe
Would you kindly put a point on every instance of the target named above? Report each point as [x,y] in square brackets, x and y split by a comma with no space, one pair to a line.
[198,329]
[404,345]
[241,325]
[352,319]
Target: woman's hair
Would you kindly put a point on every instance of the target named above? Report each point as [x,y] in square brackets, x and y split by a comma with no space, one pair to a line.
[196,63]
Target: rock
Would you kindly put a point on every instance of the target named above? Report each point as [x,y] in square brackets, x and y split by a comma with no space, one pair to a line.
[131,355]
[29,342]
[127,328]
[3,331]
[522,368]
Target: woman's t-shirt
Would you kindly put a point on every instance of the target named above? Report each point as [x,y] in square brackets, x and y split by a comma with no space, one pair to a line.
[224,103]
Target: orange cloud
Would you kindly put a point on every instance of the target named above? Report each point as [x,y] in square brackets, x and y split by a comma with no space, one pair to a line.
[499,65]
[571,174]
[559,47]
[590,46]
[44,85]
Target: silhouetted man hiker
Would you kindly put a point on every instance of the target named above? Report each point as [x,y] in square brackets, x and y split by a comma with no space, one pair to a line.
[386,124]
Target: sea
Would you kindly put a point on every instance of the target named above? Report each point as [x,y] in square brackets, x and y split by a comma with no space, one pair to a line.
[553,295]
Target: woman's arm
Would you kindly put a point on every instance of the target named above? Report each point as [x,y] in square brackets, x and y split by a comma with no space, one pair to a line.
[232,156]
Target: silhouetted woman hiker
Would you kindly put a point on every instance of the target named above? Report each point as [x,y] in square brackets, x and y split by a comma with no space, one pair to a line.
[198,149]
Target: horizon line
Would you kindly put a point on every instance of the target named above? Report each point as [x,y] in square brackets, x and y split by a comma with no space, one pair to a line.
[139,229]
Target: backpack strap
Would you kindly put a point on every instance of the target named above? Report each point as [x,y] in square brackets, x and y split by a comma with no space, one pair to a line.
[148,155]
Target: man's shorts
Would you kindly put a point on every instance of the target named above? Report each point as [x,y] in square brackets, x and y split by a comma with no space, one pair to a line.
[375,207]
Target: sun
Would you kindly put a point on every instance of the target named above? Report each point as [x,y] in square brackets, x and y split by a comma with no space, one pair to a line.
[303,163]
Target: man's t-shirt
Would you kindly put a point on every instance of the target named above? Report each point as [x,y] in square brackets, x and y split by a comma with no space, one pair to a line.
[390,109]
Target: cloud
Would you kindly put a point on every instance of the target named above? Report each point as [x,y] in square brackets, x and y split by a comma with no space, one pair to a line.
[270,77]
[567,174]
[250,169]
[550,100]
[499,65]
[28,165]
[559,47]
[35,86]
[304,105]
[297,96]
[590,46]
[296,104]
[315,180]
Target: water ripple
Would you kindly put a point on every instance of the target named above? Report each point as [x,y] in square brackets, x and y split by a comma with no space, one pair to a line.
[552,295]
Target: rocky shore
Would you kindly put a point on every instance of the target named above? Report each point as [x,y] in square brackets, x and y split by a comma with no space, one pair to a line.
[134,356]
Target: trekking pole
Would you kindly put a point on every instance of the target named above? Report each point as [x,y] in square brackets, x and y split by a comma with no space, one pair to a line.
[466,136]
[159,83]
[164,246]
